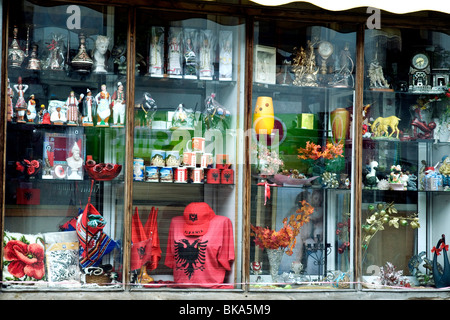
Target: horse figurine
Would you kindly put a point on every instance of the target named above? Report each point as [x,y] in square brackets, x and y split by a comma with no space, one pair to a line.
[380,126]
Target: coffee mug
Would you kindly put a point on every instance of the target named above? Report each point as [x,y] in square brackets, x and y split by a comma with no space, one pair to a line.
[196,144]
[189,159]
[173,158]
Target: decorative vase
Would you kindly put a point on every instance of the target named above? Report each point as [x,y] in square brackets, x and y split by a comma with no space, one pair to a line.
[340,121]
[275,256]
[263,117]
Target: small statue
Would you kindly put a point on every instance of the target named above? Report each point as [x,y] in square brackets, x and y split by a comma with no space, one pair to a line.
[55,59]
[157,52]
[118,105]
[444,169]
[344,72]
[174,67]
[380,127]
[31,109]
[42,112]
[226,55]
[72,108]
[304,66]
[21,104]
[89,105]
[376,77]
[206,67]
[75,163]
[103,100]
[100,54]
[190,56]
[58,116]
[10,94]
[34,63]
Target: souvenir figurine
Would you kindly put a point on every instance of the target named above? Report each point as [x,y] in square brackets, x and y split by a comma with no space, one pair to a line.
[343,76]
[226,55]
[55,59]
[88,109]
[82,62]
[15,54]
[72,108]
[75,163]
[118,105]
[103,100]
[119,57]
[34,63]
[100,54]
[42,112]
[157,52]
[31,109]
[10,111]
[21,104]
[206,67]
[190,56]
[444,169]
[174,68]
[58,116]
[304,66]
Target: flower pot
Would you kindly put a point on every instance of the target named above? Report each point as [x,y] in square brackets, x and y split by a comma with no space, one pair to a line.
[275,256]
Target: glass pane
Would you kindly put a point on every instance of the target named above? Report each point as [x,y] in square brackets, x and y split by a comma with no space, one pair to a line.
[65,147]
[405,151]
[187,151]
[302,99]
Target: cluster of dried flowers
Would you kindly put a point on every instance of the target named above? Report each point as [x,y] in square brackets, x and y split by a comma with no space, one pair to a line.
[286,236]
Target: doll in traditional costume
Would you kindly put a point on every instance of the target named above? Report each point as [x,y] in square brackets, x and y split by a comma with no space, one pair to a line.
[118,105]
[103,100]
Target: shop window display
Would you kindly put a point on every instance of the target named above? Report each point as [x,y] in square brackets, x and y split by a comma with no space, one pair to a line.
[65,146]
[187,165]
[405,150]
[303,97]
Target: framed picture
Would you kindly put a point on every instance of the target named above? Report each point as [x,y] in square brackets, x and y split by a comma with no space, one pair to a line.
[265,64]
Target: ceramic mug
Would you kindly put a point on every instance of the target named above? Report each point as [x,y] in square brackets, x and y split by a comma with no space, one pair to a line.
[189,159]
[181,175]
[196,144]
[206,160]
[158,158]
[173,158]
[151,174]
[138,169]
[197,175]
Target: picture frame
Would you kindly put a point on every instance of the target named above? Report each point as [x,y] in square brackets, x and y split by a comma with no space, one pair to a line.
[265,64]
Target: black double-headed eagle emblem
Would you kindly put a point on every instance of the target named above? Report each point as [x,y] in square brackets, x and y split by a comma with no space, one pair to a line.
[190,257]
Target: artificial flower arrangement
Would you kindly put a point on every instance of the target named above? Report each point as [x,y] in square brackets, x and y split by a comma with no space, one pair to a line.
[285,238]
[318,160]
[269,161]
[383,214]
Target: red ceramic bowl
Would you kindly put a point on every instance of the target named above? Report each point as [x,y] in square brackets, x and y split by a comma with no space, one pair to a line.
[102,171]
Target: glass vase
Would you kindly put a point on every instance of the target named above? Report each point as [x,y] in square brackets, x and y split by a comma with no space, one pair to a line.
[275,256]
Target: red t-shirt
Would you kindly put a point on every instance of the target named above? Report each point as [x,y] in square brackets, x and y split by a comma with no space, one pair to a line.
[201,261]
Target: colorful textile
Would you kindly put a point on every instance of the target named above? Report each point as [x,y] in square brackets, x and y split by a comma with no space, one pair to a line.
[23,257]
[145,248]
[201,261]
[62,257]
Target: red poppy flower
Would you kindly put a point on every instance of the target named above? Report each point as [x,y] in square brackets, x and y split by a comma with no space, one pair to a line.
[25,259]
[444,246]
